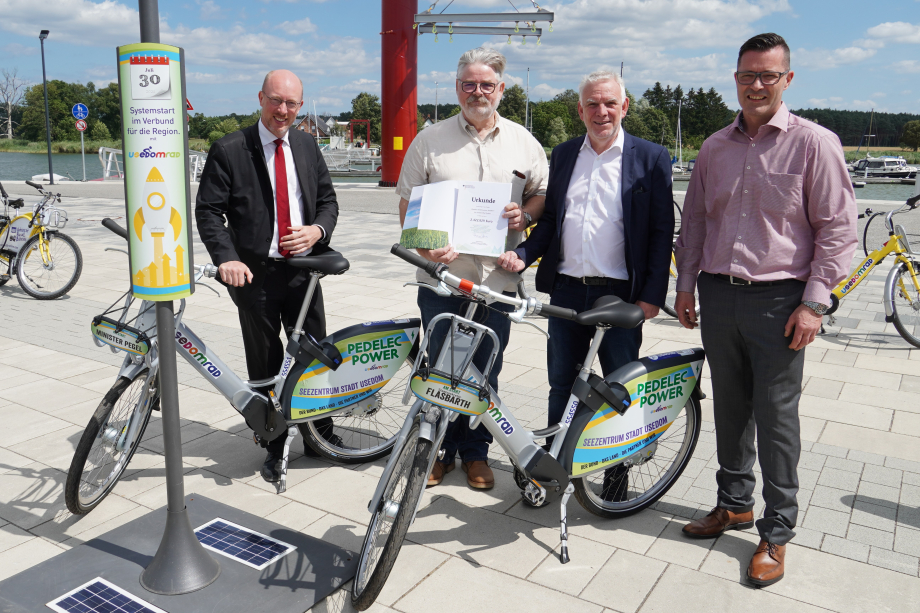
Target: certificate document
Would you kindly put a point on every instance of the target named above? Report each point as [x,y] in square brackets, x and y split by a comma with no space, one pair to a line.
[479,227]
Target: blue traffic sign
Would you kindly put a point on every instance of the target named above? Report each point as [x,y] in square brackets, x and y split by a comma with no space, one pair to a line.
[80,111]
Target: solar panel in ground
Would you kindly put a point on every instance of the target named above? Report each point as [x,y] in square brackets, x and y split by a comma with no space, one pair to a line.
[241,544]
[101,596]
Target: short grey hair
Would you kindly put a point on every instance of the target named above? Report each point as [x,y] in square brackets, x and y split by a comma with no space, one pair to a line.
[600,76]
[480,55]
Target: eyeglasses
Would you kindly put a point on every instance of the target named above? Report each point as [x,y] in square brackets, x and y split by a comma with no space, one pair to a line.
[767,78]
[470,87]
[279,101]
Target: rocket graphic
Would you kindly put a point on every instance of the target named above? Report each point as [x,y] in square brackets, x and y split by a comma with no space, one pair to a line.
[155,215]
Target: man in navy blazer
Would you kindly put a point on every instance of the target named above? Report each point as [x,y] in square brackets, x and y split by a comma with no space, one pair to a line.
[607,229]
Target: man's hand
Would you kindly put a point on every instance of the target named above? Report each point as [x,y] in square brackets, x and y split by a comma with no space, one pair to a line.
[685,305]
[510,261]
[650,310]
[235,273]
[806,324]
[444,255]
[301,238]
[515,215]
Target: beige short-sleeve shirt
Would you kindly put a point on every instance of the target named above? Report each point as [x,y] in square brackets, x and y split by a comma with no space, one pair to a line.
[451,150]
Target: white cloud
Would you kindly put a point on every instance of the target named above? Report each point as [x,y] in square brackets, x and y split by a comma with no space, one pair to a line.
[896,31]
[296,28]
[101,76]
[818,102]
[867,104]
[71,20]
[214,78]
[879,95]
[210,9]
[821,59]
[16,50]
[908,66]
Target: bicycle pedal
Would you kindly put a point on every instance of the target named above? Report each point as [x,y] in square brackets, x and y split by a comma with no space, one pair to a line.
[5,278]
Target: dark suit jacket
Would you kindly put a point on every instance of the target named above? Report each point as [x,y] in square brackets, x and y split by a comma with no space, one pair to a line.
[235,187]
[648,215]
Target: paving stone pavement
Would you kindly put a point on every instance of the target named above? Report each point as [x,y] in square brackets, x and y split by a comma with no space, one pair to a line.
[857,545]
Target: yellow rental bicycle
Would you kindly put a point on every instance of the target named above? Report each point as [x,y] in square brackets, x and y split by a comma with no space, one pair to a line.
[46,262]
[902,287]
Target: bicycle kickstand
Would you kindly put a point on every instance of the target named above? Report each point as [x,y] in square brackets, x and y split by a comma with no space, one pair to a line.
[563,526]
[291,433]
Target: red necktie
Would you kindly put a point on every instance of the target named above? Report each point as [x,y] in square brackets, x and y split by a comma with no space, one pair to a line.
[282,208]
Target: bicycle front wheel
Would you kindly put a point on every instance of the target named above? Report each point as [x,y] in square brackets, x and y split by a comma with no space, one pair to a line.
[390,520]
[46,280]
[365,431]
[647,481]
[906,304]
[102,455]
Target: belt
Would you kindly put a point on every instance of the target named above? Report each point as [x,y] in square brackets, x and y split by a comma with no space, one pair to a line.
[608,281]
[744,282]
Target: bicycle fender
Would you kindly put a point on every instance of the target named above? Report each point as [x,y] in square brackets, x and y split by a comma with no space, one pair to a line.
[394,454]
[129,368]
[657,388]
[890,290]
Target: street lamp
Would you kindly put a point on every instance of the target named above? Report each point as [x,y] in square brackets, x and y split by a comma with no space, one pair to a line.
[42,36]
[436,102]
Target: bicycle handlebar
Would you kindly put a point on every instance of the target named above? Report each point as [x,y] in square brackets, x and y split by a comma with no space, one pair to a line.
[114,227]
[35,185]
[912,202]
[468,288]
[3,191]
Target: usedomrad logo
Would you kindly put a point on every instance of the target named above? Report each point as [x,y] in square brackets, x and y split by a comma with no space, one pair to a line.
[197,354]
[150,153]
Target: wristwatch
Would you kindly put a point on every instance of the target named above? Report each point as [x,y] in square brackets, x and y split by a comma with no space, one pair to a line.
[528,219]
[817,307]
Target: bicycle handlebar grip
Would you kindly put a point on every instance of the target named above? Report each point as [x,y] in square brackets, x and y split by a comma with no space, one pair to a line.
[3,191]
[913,201]
[35,185]
[114,227]
[548,310]
[414,259]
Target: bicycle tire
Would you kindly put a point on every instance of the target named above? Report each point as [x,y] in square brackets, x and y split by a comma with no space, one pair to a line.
[905,313]
[111,416]
[866,249]
[61,248]
[365,435]
[379,551]
[588,488]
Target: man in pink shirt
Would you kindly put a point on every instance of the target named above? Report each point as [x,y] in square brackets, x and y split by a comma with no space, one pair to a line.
[769,228]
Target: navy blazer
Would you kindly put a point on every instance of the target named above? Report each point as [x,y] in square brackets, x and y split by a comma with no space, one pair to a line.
[648,216]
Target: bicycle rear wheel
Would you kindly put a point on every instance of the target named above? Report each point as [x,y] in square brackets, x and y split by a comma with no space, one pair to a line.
[366,430]
[46,281]
[98,464]
[906,304]
[648,481]
[391,519]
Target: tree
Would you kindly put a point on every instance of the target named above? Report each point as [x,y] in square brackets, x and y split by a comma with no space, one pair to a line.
[556,133]
[911,135]
[106,107]
[514,104]
[454,111]
[12,89]
[214,136]
[367,106]
[250,120]
[543,113]
[420,122]
[99,131]
[227,126]
[570,99]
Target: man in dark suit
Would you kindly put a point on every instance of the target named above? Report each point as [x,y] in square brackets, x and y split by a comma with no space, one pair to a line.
[606,230]
[272,187]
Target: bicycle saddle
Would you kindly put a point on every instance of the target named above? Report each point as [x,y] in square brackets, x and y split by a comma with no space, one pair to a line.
[17,204]
[328,263]
[611,311]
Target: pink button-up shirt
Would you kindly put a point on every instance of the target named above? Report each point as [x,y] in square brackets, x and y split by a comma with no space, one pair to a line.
[778,205]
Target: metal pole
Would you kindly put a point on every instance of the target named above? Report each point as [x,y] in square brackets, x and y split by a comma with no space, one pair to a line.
[181,564]
[83,156]
[41,37]
[399,78]
[436,102]
[527,102]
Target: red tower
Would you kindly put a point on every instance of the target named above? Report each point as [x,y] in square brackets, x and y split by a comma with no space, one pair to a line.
[399,59]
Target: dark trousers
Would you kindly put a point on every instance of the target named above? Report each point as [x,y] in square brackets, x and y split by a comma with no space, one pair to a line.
[278,303]
[569,342]
[756,384]
[472,445]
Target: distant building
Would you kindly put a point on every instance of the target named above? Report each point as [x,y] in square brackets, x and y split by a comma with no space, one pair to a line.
[427,123]
[319,129]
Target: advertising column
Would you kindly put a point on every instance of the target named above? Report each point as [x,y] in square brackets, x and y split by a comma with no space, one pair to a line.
[151,78]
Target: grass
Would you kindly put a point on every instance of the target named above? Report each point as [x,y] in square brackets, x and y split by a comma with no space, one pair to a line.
[413,238]
[73,146]
[912,157]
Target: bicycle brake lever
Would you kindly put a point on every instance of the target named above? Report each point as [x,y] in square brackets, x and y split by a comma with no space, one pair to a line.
[117,249]
[439,290]
[197,282]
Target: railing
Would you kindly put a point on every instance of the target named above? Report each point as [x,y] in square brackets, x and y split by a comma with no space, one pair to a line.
[113,165]
[347,159]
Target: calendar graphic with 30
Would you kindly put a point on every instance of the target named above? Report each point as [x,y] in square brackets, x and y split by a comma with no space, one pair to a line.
[156,170]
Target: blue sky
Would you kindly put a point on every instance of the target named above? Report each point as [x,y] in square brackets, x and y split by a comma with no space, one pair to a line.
[846,53]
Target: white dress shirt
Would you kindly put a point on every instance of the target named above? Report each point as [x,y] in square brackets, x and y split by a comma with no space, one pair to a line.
[295,196]
[593,232]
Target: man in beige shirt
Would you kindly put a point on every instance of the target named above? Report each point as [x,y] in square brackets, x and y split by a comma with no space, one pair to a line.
[475,145]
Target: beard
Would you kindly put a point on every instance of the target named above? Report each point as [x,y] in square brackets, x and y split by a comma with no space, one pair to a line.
[478,108]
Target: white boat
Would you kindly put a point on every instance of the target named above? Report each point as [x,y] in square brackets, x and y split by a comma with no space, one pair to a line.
[677,162]
[890,166]
[44,178]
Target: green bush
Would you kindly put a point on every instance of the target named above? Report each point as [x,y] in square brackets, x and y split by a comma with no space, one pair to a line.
[214,136]
[99,131]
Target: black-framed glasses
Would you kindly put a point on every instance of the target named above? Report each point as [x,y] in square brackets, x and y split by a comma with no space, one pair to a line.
[767,78]
[470,86]
[278,101]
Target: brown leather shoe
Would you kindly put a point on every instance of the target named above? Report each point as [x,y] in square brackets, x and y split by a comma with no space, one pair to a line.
[767,565]
[478,474]
[438,471]
[718,521]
